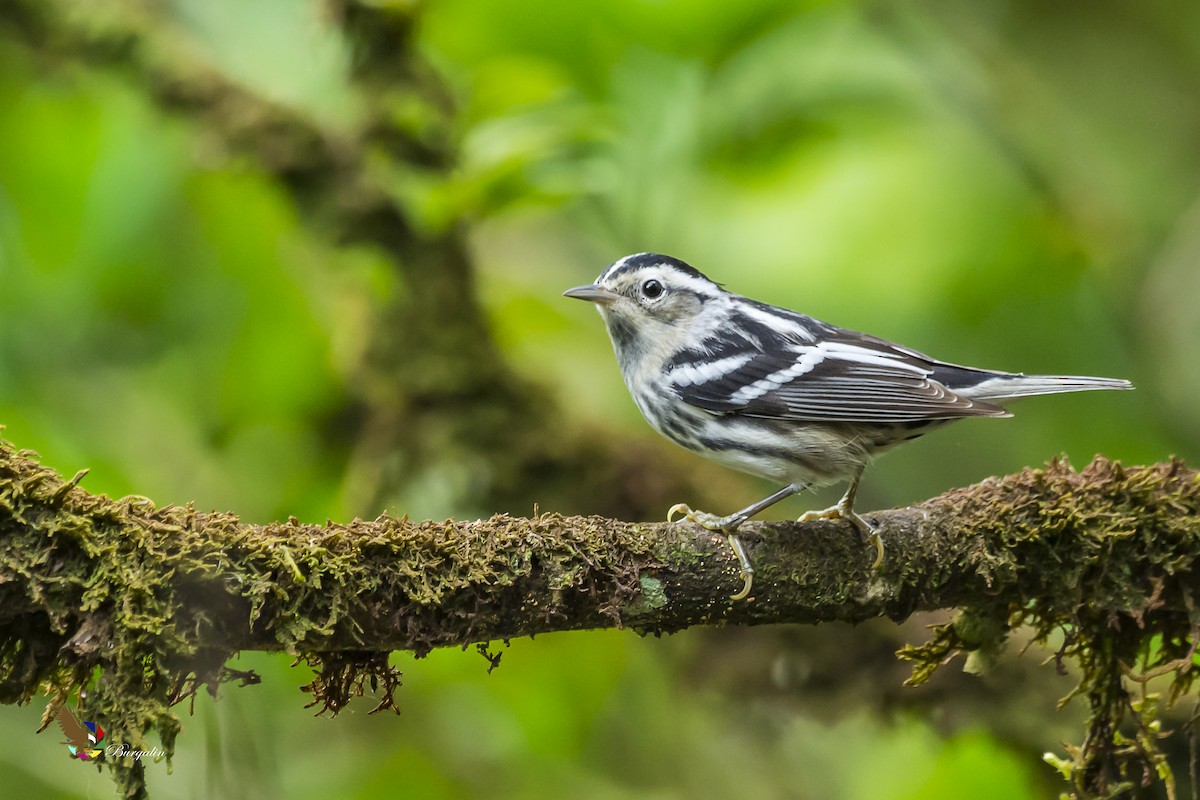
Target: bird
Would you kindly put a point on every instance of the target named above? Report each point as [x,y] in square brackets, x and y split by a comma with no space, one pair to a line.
[779,394]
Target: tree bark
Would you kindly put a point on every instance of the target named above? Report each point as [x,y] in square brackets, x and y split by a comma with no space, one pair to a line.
[156,599]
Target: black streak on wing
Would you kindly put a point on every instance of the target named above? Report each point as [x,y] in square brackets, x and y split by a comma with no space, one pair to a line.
[838,389]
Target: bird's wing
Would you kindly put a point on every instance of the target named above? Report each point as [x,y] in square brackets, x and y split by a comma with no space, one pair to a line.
[841,377]
[75,731]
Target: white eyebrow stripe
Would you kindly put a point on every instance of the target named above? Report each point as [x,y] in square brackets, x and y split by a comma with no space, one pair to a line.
[681,280]
[782,325]
[669,274]
[707,371]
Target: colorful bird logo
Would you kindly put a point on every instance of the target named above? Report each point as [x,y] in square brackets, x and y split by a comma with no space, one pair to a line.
[83,738]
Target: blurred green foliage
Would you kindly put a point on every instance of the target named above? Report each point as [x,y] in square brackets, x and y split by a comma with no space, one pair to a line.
[1002,183]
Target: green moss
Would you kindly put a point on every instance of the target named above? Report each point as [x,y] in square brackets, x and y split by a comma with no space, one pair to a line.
[1108,557]
[139,607]
[122,601]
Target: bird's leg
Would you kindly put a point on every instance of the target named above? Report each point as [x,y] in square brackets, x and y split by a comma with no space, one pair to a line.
[845,510]
[733,521]
[729,525]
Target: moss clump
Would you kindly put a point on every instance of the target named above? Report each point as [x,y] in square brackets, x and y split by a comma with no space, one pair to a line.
[139,607]
[1111,565]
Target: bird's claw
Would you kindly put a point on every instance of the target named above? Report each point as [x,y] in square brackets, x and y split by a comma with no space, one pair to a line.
[839,512]
[735,544]
[722,524]
[833,512]
[701,518]
[679,508]
[874,538]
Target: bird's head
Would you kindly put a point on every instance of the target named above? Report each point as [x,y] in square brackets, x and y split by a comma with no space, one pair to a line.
[649,300]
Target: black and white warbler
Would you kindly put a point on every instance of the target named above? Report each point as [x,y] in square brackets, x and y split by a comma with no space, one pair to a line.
[778,394]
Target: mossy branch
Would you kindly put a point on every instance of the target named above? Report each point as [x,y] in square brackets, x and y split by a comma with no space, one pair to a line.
[144,604]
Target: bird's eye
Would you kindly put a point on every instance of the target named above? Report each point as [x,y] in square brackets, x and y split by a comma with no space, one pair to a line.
[652,289]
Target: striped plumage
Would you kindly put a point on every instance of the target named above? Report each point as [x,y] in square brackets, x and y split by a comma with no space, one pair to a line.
[779,394]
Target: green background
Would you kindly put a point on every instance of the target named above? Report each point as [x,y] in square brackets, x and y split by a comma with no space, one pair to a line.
[1003,184]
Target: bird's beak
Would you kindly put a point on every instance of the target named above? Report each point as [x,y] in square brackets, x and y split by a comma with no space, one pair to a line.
[593,294]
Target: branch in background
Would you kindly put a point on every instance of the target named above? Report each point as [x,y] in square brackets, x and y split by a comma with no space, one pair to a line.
[432,391]
[155,600]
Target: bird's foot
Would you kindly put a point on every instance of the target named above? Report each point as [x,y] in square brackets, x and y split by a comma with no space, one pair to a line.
[728,526]
[841,511]
[735,544]
[703,518]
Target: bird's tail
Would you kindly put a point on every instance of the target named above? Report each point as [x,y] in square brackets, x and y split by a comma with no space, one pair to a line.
[1002,388]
